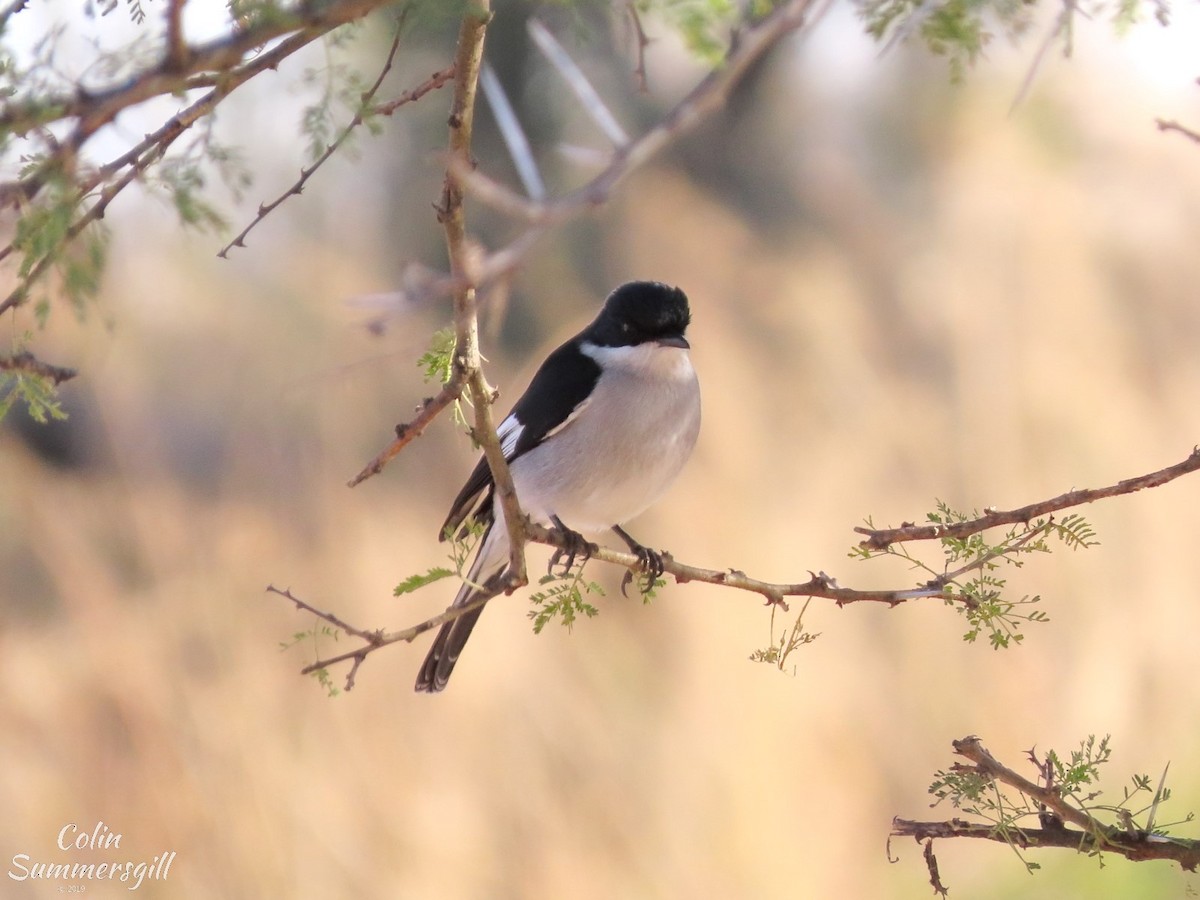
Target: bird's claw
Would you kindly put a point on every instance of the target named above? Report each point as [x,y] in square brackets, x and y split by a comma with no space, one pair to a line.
[650,568]
[577,547]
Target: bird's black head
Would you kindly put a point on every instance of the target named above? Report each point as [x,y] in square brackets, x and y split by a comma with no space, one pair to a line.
[639,312]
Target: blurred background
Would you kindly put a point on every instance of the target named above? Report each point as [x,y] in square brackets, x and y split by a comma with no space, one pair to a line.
[902,290]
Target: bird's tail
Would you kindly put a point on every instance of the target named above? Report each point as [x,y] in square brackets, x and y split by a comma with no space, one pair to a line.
[486,572]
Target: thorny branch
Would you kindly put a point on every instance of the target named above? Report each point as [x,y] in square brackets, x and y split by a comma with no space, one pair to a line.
[882,538]
[435,81]
[819,584]
[1089,835]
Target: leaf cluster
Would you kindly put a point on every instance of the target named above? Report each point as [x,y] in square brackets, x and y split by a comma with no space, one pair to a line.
[961,30]
[971,569]
[37,392]
[564,599]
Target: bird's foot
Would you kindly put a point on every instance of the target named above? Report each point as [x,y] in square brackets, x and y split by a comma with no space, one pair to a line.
[650,564]
[577,547]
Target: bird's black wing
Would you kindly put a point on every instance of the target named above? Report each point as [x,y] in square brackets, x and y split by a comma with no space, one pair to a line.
[559,389]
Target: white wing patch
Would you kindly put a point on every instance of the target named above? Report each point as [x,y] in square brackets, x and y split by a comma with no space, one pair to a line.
[509,432]
[568,420]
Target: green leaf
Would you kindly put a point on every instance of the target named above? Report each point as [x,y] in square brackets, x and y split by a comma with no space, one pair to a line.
[565,600]
[437,362]
[416,582]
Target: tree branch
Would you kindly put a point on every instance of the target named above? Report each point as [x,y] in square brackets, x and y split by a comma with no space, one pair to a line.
[819,584]
[95,108]
[27,362]
[467,360]
[1165,125]
[405,433]
[882,538]
[1090,835]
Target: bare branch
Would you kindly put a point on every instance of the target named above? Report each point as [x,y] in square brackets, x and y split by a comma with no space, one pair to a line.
[820,585]
[405,433]
[513,133]
[639,70]
[577,82]
[882,538]
[1062,25]
[1165,125]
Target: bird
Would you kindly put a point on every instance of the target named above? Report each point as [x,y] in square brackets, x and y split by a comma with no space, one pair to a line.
[603,429]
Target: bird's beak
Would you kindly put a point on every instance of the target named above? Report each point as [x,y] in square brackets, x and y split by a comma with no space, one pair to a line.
[675,340]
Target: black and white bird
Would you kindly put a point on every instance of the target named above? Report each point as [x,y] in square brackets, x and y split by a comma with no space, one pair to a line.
[604,427]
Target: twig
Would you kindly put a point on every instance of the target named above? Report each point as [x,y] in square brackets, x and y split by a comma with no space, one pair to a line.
[577,82]
[372,640]
[513,133]
[369,636]
[265,209]
[27,362]
[882,538]
[639,70]
[432,83]
[995,553]
[405,433]
[1061,24]
[1165,125]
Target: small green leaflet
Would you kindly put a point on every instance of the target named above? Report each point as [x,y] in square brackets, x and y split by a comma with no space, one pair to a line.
[416,582]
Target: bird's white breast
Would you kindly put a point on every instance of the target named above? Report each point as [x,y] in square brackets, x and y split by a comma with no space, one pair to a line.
[617,456]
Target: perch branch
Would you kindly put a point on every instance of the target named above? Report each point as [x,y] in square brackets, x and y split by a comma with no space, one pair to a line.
[819,584]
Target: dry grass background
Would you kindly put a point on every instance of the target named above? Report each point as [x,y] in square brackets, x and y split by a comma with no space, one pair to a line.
[1014,315]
